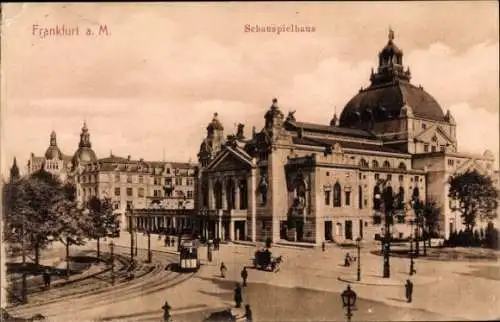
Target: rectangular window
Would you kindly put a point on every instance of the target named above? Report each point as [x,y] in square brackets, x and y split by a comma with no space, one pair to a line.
[129,179]
[433,148]
[389,177]
[426,147]
[190,194]
[377,176]
[130,205]
[401,178]
[442,148]
[347,198]
[117,192]
[141,179]
[450,162]
[141,192]
[327,198]
[117,178]
[178,181]
[129,192]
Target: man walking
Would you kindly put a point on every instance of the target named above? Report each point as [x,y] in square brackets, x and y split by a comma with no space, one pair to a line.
[166,311]
[248,313]
[238,298]
[409,290]
[46,278]
[244,276]
[223,270]
[323,246]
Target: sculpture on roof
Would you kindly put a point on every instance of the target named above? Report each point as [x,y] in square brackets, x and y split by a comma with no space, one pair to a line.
[291,116]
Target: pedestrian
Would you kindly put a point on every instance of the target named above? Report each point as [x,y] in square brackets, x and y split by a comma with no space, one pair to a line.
[223,270]
[244,276]
[238,298]
[167,241]
[248,313]
[347,260]
[323,246]
[166,311]
[173,242]
[46,278]
[409,290]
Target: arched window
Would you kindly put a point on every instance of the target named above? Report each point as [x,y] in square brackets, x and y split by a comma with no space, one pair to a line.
[402,166]
[360,197]
[218,195]
[386,164]
[401,198]
[230,194]
[374,164]
[363,163]
[377,197]
[337,193]
[416,193]
[243,194]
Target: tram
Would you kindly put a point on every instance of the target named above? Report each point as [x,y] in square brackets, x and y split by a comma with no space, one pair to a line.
[188,258]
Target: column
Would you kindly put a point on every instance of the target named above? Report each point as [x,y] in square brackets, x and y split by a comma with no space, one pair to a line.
[224,193]
[252,204]
[219,226]
[211,197]
[231,229]
[174,222]
[237,194]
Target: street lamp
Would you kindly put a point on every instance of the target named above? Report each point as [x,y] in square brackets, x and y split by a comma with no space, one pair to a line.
[112,251]
[412,262]
[416,204]
[150,253]
[358,244]
[348,301]
[131,231]
[388,201]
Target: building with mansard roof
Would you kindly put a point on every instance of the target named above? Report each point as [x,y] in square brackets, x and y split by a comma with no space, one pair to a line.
[154,194]
[316,182]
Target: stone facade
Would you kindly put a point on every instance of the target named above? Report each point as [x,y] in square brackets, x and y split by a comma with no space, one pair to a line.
[312,182]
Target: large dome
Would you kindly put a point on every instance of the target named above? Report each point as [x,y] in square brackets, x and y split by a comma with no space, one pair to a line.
[389,92]
[84,155]
[385,102]
[53,153]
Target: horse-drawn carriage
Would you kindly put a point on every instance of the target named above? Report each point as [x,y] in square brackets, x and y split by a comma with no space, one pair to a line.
[265,261]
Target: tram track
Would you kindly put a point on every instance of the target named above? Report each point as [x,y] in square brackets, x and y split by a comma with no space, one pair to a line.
[153,279]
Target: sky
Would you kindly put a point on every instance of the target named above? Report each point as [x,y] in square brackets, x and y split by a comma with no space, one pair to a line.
[150,87]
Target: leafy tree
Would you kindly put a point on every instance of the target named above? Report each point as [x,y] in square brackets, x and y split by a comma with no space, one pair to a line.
[103,221]
[430,214]
[30,217]
[474,195]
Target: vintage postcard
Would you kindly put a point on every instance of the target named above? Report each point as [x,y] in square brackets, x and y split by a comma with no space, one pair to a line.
[250,161]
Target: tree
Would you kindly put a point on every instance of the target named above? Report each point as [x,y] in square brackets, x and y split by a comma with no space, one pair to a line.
[474,195]
[103,221]
[30,218]
[430,215]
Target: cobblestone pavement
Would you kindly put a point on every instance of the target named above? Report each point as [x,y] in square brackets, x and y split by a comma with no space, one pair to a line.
[307,286]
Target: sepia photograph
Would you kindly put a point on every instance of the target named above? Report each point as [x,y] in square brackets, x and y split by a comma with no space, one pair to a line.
[250,161]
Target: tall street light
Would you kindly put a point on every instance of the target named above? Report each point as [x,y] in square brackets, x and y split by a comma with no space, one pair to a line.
[412,262]
[348,301]
[112,251]
[131,231]
[416,204]
[150,254]
[388,203]
[358,244]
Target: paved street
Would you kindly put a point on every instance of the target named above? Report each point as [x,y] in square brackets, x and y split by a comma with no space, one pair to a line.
[307,283]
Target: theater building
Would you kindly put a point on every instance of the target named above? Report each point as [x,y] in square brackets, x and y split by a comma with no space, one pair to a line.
[314,182]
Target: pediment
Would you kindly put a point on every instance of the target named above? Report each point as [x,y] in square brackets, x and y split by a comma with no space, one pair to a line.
[434,135]
[471,165]
[229,160]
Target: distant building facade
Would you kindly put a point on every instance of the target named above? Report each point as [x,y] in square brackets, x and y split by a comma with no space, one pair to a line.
[315,182]
[131,184]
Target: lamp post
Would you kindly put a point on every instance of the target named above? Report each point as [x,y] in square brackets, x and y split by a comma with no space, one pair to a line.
[416,208]
[358,244]
[412,262]
[424,235]
[348,301]
[131,231]
[112,251]
[150,253]
[388,201]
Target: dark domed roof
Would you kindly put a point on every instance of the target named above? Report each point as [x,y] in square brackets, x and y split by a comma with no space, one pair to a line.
[53,152]
[215,124]
[385,102]
[84,155]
